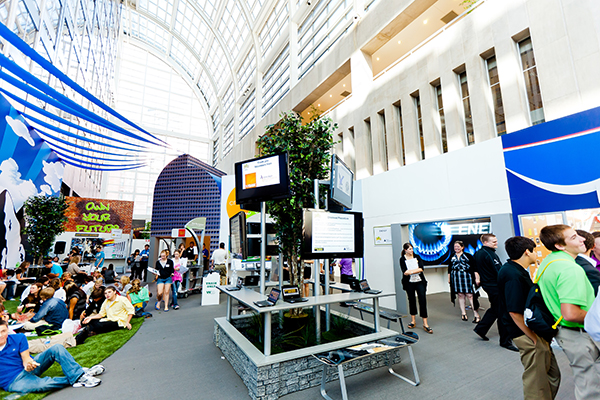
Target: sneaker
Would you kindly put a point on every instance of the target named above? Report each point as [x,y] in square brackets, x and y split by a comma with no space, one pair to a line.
[176,308]
[87,381]
[96,370]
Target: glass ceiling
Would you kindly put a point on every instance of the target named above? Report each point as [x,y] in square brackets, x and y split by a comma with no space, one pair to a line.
[221,44]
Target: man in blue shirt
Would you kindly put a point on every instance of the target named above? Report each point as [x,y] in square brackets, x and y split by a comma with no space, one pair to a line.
[53,312]
[99,258]
[55,269]
[145,254]
[19,372]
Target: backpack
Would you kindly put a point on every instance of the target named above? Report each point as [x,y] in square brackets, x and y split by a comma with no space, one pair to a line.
[537,316]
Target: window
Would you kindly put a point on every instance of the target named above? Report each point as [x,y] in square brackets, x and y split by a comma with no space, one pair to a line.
[215,157]
[440,108]
[532,85]
[417,101]
[494,81]
[351,150]
[276,81]
[384,155]
[247,115]
[398,112]
[369,150]
[464,90]
[228,137]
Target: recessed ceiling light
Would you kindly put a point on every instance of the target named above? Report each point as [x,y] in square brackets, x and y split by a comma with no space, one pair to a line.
[377,58]
[344,85]
[399,41]
[425,22]
[330,95]
[318,105]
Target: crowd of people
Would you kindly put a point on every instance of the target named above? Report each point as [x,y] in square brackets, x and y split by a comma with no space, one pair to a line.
[95,303]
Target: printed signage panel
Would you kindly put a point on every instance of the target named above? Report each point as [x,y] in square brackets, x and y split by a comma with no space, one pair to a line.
[98,216]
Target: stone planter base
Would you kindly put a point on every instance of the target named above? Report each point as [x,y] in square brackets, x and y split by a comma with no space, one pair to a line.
[270,377]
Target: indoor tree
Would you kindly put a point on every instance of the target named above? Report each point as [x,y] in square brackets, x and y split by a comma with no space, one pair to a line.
[45,218]
[308,145]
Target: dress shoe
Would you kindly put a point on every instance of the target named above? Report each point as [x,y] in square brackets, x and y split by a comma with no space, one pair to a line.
[481,335]
[510,346]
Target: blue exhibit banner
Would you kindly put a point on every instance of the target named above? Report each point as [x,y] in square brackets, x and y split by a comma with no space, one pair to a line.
[553,167]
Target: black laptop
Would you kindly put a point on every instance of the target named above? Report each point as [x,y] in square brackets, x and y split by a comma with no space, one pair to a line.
[364,287]
[238,285]
[252,280]
[291,294]
[271,300]
[354,284]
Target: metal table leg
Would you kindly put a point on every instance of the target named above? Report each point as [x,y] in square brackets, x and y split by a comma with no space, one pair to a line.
[267,333]
[229,305]
[376,314]
[414,368]
[342,383]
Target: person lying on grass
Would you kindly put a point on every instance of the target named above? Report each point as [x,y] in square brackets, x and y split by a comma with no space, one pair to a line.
[19,372]
[116,313]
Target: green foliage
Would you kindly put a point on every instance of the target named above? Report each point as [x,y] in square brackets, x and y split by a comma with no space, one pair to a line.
[468,3]
[45,216]
[308,146]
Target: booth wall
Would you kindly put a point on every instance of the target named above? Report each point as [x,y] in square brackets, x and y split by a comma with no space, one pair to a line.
[467,183]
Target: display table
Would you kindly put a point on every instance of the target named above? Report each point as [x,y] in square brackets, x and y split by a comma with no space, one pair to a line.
[249,296]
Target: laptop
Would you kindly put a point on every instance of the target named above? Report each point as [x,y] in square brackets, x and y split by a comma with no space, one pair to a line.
[252,280]
[291,294]
[238,285]
[355,285]
[271,300]
[364,287]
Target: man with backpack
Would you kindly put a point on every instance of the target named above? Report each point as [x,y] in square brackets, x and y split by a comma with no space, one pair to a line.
[568,293]
[541,375]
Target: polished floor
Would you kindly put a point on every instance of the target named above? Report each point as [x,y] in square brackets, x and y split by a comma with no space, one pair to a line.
[172,356]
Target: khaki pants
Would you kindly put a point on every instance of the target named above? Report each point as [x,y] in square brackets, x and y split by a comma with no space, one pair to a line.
[541,376]
[222,268]
[30,326]
[584,358]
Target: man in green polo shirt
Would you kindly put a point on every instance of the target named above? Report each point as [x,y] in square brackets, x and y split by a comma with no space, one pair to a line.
[568,293]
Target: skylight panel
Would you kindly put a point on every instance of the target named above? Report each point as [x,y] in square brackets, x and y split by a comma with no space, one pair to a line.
[184,57]
[159,8]
[217,65]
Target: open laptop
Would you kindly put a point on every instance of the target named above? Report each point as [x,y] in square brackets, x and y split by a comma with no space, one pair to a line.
[238,285]
[291,294]
[271,300]
[364,287]
[355,285]
[252,280]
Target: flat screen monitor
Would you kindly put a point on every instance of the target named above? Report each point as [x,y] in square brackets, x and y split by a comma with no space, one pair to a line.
[262,179]
[327,234]
[342,179]
[237,231]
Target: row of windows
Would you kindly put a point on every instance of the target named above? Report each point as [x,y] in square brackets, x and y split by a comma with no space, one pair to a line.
[531,87]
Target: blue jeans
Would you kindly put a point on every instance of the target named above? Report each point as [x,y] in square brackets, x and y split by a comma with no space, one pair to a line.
[176,285]
[27,382]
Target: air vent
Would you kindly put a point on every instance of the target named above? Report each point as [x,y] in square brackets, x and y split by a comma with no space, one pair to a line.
[345,93]
[449,17]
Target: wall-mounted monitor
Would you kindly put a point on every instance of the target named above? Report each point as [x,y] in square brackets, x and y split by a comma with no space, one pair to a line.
[262,179]
[342,179]
[237,231]
[327,234]
[434,241]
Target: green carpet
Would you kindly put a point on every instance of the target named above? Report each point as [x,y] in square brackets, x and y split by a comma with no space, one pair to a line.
[93,351]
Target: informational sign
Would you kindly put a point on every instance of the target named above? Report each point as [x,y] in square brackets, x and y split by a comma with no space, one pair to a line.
[116,250]
[180,233]
[210,293]
[197,224]
[116,233]
[531,225]
[332,233]
[382,235]
[98,216]
[260,173]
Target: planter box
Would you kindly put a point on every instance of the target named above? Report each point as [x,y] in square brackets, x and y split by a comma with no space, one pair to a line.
[269,377]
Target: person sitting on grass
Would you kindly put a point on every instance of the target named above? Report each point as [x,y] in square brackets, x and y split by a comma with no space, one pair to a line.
[21,373]
[44,280]
[30,305]
[95,303]
[76,300]
[123,285]
[139,297]
[116,313]
[53,312]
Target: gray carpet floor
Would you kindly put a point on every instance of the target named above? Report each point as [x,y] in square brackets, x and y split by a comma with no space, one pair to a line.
[172,356]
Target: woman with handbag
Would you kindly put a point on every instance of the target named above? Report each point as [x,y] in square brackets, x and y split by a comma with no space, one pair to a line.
[413,282]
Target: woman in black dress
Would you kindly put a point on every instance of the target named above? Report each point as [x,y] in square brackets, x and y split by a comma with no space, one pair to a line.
[461,277]
[413,281]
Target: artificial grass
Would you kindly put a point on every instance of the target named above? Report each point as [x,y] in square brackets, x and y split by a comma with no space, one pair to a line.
[95,350]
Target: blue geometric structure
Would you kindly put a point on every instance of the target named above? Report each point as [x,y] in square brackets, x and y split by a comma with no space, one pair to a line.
[186,189]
